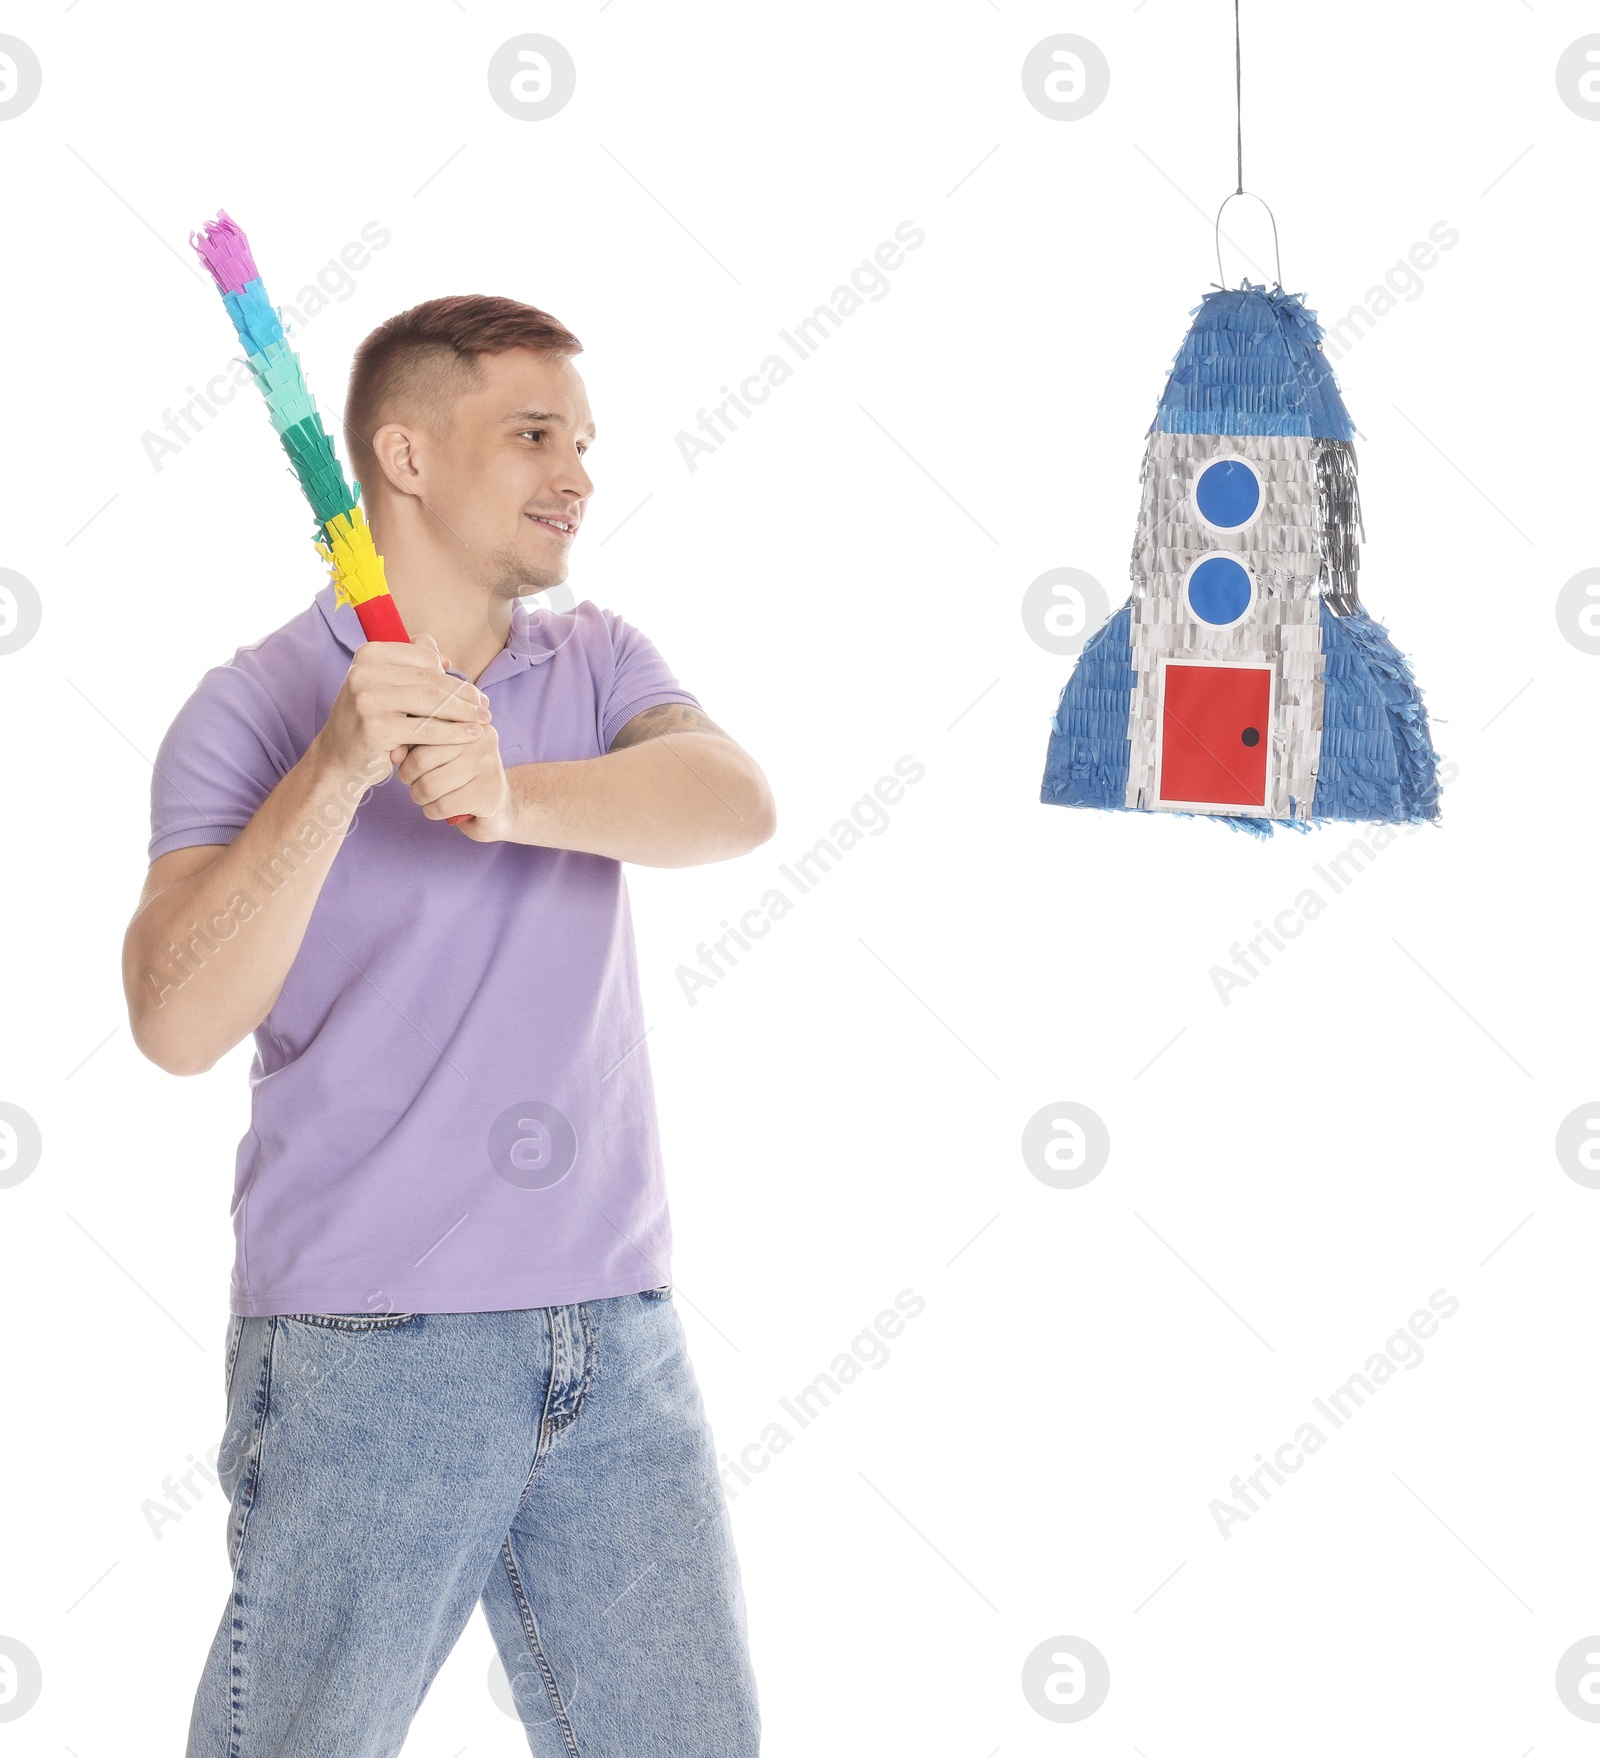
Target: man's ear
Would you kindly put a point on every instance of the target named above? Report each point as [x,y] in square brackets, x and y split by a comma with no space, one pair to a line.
[396,451]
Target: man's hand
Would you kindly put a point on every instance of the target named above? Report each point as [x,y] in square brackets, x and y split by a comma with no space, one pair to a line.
[394,696]
[447,779]
[673,791]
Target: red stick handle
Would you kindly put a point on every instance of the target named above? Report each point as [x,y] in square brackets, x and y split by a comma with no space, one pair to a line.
[380,621]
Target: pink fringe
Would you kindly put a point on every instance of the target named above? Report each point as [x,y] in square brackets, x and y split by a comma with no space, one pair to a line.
[225,251]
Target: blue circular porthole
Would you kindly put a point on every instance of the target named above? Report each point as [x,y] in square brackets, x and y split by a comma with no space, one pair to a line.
[1227,494]
[1219,590]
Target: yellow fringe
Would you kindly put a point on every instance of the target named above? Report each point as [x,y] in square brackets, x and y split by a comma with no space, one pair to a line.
[356,567]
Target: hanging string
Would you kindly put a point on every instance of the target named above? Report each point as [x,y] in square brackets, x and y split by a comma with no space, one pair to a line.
[1238,146]
[1238,99]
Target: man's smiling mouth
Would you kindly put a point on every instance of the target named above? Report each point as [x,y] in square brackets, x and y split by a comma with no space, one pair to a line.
[562,527]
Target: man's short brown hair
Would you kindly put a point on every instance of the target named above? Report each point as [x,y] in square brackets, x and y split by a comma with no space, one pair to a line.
[420,361]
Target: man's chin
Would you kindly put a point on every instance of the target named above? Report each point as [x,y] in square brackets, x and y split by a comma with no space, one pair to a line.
[546,567]
[521,578]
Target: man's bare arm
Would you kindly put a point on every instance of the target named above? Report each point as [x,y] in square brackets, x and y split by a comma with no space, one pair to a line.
[210,944]
[673,791]
[217,927]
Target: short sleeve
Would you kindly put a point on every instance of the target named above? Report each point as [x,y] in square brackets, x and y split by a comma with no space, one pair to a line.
[220,759]
[640,679]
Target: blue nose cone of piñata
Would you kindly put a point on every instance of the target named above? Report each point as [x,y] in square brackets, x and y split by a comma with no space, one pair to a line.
[1243,680]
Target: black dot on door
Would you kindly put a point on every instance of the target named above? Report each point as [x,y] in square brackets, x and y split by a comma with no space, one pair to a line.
[1250,736]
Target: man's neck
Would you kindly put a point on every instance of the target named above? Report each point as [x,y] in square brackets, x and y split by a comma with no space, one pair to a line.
[435,598]
[469,628]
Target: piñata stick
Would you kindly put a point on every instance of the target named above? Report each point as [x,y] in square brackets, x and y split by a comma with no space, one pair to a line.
[345,542]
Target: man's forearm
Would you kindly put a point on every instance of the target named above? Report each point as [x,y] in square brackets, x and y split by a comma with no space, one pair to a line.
[206,955]
[674,801]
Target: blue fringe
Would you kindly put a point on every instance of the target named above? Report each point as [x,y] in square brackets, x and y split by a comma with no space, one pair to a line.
[254,318]
[1260,827]
[1378,763]
[1252,363]
[1087,762]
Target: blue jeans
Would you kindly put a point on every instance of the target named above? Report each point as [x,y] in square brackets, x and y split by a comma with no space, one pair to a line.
[387,1472]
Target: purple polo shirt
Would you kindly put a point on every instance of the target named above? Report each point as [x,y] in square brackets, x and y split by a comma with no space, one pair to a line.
[451,1106]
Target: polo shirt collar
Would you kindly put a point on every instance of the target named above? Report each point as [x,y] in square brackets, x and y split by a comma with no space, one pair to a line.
[533,637]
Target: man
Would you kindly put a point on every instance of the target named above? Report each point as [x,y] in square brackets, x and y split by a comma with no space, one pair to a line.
[454,1370]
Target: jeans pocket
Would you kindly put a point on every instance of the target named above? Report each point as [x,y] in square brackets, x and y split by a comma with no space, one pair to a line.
[231,1355]
[354,1321]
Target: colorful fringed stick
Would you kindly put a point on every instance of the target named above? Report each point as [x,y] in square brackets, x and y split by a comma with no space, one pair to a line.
[357,567]
[346,540]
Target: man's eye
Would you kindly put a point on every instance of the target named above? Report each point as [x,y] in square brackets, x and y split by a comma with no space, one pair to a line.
[532,433]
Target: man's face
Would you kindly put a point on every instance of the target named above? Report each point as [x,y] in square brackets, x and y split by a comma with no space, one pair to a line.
[510,468]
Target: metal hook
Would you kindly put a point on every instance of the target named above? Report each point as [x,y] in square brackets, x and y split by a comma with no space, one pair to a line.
[1276,258]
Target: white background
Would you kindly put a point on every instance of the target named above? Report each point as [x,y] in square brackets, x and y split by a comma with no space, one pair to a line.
[1290,1175]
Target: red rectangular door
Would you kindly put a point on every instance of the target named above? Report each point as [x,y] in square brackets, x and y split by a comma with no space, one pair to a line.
[1215,732]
